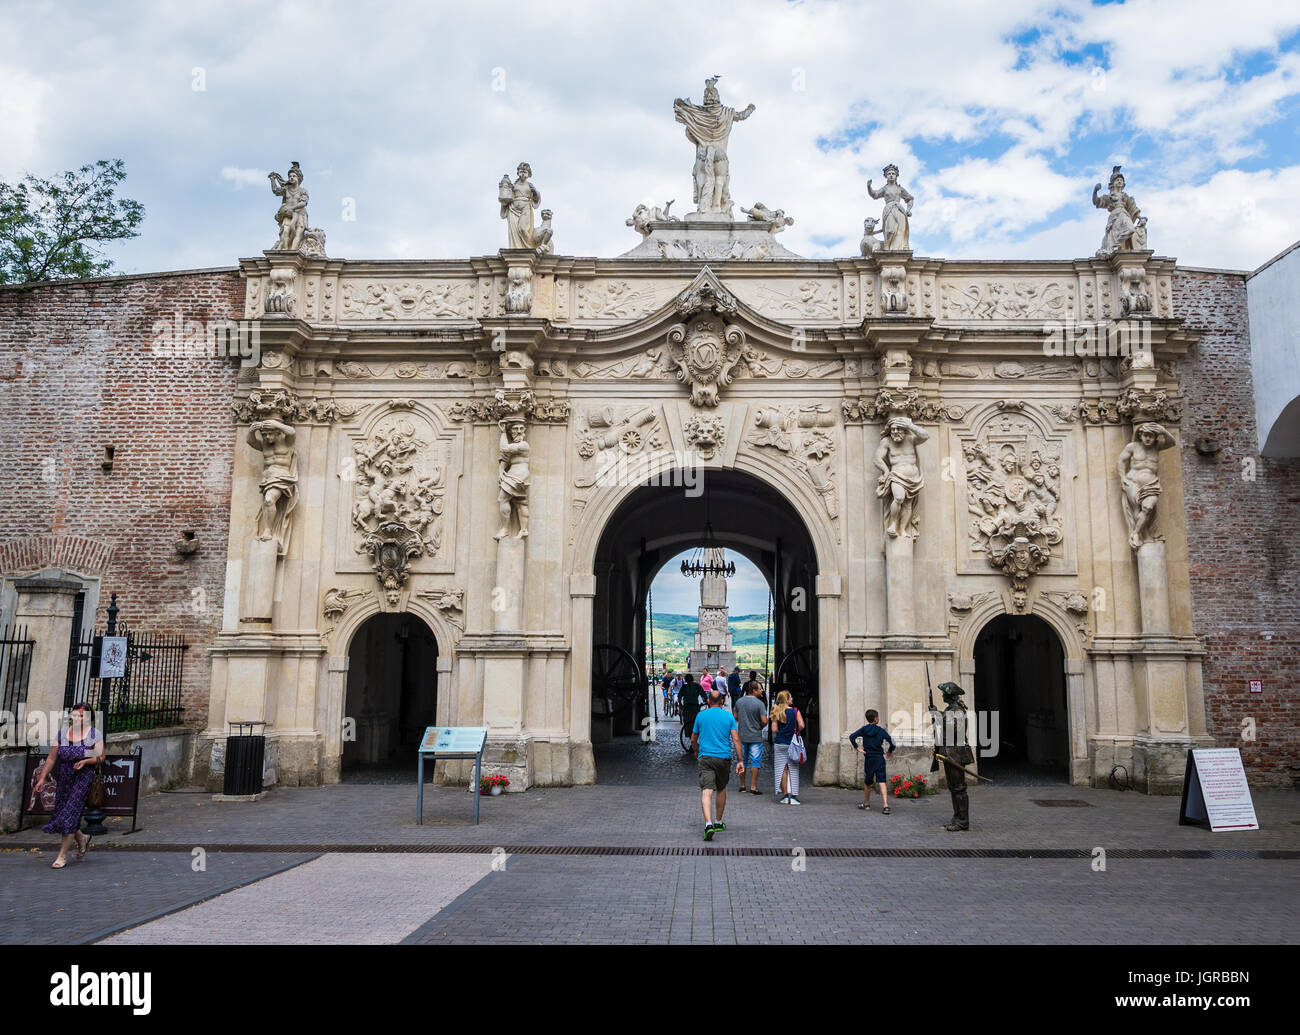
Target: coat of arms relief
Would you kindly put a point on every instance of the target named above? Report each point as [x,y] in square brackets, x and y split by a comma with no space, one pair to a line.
[1013,473]
[398,499]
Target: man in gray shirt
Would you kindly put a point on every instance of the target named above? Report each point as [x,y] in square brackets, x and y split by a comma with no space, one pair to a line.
[751,719]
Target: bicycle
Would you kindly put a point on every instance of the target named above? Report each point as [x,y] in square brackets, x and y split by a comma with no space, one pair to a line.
[688,727]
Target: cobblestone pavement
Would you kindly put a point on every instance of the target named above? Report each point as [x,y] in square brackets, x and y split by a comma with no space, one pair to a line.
[648,796]
[107,890]
[373,878]
[885,902]
[373,899]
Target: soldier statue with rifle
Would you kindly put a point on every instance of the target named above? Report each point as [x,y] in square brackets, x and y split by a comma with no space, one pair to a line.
[951,748]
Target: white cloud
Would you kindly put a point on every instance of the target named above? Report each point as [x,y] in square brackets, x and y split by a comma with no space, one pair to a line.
[419,141]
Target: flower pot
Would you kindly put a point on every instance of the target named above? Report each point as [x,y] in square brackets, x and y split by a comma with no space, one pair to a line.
[496,791]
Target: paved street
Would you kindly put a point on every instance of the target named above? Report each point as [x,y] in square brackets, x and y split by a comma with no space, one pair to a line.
[624,862]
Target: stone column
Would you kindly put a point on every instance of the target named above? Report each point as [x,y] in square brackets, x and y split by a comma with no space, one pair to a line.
[582,592]
[45,607]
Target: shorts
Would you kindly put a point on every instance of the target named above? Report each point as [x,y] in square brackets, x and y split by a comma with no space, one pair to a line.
[714,773]
[874,771]
[753,755]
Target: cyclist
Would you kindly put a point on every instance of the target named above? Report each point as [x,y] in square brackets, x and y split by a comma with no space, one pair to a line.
[691,700]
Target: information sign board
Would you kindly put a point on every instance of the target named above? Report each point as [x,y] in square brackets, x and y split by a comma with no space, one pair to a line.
[1215,791]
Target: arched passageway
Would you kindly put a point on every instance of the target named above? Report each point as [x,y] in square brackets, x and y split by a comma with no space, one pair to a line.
[1020,700]
[654,524]
[392,693]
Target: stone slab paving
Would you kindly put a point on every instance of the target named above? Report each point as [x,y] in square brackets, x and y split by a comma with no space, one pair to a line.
[667,814]
[885,902]
[372,899]
[108,890]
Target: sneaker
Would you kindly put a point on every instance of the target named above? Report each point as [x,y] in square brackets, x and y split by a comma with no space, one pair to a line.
[794,801]
[708,831]
[783,800]
[719,825]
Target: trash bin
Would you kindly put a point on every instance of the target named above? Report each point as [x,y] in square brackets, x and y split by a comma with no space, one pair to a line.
[245,752]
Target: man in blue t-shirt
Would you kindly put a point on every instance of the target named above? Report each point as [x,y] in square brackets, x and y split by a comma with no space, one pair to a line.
[713,741]
[873,747]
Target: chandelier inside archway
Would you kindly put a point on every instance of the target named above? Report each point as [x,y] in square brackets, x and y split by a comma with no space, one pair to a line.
[708,559]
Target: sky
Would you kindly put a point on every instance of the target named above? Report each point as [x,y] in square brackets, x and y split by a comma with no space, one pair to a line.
[1001,116]
[675,594]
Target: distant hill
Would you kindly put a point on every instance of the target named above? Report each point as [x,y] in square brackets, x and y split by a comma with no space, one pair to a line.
[674,634]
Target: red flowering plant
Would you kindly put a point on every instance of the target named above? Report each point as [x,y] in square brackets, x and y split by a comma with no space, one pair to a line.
[908,786]
[486,784]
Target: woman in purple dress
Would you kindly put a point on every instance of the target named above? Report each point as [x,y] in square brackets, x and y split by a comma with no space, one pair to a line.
[78,747]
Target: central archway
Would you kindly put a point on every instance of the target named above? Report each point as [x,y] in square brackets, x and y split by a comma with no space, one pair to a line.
[657,521]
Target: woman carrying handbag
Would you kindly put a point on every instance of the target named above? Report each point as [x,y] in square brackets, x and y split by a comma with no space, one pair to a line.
[787,748]
[78,750]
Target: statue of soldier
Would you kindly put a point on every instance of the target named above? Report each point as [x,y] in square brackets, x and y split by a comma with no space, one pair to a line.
[950,741]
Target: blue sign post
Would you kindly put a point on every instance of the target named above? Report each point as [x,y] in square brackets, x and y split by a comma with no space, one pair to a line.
[451,742]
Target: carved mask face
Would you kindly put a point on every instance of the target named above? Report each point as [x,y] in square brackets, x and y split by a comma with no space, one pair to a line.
[897,433]
[1146,438]
[516,432]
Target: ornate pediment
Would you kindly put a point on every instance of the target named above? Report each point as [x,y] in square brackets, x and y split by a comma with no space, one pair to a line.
[705,295]
[705,351]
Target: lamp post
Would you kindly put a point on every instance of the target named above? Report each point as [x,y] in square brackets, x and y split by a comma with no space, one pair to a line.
[95,817]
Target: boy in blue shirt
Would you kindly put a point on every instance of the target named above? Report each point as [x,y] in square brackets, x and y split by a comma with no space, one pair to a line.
[873,740]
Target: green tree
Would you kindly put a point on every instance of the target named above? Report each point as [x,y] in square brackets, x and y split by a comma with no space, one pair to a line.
[52,228]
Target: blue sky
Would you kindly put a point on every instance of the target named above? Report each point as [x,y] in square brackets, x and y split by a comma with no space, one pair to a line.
[674,593]
[1000,116]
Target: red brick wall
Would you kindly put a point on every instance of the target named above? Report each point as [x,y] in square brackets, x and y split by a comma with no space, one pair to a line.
[78,370]
[1244,536]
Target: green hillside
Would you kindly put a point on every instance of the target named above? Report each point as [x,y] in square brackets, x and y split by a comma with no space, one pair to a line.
[674,634]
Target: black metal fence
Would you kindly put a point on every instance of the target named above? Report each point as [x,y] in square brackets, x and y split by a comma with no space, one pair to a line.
[15,668]
[147,696]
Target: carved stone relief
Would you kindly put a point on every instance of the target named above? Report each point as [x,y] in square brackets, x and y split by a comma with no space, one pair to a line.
[704,352]
[796,432]
[1006,300]
[451,602]
[809,300]
[283,405]
[1074,602]
[386,300]
[400,480]
[705,434]
[618,299]
[906,401]
[1013,493]
[337,602]
[605,434]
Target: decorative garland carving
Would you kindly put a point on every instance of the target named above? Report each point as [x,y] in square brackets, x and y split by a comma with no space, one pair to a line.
[895,401]
[285,406]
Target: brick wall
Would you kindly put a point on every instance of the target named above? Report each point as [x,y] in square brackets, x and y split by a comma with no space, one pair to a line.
[78,370]
[1244,536]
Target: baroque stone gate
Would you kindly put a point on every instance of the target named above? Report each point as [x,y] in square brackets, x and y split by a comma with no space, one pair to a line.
[962,440]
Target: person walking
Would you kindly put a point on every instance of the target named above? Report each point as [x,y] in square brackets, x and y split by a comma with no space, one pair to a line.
[78,748]
[692,698]
[734,687]
[785,722]
[751,722]
[873,740]
[706,683]
[713,742]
